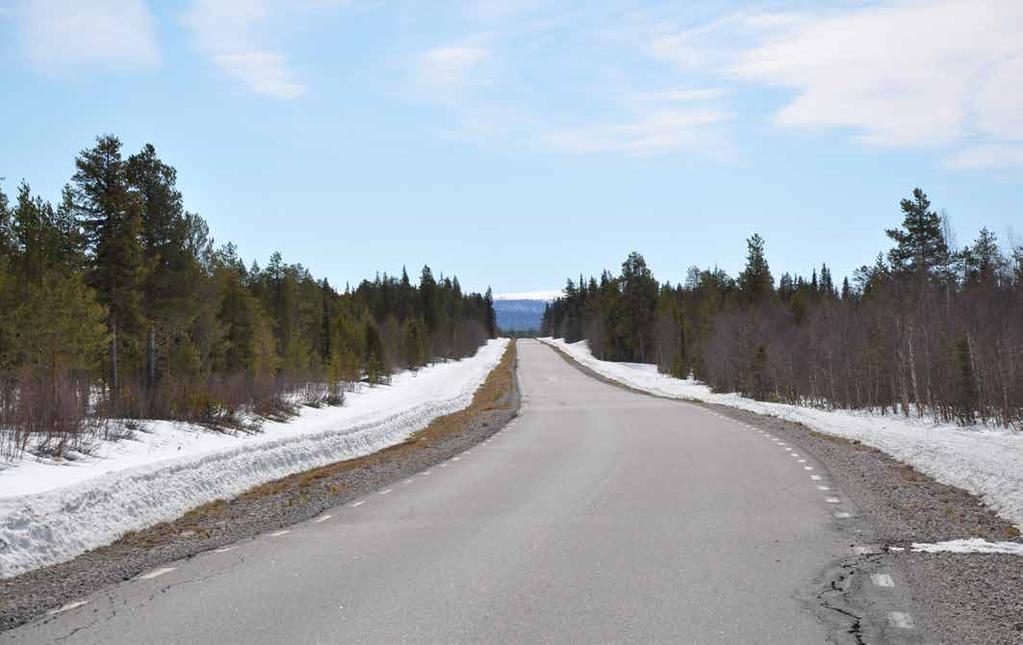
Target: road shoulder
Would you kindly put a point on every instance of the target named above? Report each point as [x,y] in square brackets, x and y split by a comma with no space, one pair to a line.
[265,508]
[956,598]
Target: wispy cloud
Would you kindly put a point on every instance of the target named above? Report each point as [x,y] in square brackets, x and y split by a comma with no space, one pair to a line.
[656,132]
[69,34]
[228,33]
[941,75]
[986,157]
[447,67]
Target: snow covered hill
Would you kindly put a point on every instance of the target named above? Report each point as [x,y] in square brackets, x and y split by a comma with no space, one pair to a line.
[522,311]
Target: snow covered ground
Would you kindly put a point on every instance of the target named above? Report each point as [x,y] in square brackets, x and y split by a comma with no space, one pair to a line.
[987,462]
[52,511]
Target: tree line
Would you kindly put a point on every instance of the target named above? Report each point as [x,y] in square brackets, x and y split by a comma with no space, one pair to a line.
[926,328]
[116,302]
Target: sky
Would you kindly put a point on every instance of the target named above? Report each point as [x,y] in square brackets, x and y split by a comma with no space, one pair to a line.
[515,144]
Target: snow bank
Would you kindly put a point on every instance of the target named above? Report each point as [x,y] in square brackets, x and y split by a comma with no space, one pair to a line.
[972,545]
[986,462]
[51,512]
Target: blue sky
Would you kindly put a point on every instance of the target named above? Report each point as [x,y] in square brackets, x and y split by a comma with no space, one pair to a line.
[517,143]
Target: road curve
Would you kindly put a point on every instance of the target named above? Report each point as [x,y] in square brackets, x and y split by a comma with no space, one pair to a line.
[598,515]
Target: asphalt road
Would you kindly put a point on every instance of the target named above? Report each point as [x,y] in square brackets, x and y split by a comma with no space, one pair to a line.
[598,515]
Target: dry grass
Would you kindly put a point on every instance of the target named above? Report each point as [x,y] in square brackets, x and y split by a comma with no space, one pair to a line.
[494,394]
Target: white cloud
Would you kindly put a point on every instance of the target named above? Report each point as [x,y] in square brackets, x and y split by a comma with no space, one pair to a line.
[61,34]
[447,67]
[986,157]
[653,132]
[942,74]
[262,72]
[227,31]
[682,95]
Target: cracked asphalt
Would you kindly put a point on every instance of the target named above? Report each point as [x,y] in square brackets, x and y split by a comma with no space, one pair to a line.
[597,515]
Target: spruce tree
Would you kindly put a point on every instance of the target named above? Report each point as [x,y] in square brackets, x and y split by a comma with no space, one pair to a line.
[983,261]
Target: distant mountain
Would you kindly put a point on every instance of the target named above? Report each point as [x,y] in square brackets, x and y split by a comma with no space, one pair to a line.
[521,312]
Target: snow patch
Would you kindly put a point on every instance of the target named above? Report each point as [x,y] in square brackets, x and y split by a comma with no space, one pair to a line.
[51,512]
[971,545]
[985,461]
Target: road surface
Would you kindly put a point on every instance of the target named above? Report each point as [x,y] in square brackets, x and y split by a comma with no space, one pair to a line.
[598,515]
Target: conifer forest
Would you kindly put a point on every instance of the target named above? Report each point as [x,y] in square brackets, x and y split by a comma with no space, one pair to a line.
[927,328]
[115,302]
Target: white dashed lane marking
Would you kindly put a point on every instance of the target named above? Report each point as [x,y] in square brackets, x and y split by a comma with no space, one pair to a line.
[832,500]
[67,607]
[280,533]
[223,549]
[815,477]
[358,503]
[323,518]
[900,619]
[882,580]
[823,488]
[385,491]
[156,573]
[842,515]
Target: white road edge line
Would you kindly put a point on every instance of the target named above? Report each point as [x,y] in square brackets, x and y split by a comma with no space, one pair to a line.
[223,549]
[68,607]
[156,573]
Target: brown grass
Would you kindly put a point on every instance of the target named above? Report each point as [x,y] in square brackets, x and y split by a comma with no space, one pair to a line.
[494,394]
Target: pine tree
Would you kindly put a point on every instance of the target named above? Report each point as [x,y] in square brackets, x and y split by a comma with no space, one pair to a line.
[755,282]
[921,248]
[111,218]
